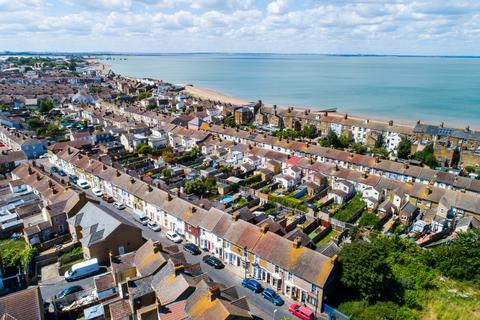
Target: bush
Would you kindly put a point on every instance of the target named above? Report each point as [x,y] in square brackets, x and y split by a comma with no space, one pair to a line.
[368,219]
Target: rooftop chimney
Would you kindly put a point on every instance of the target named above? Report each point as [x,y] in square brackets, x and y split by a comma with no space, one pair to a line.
[390,123]
[150,189]
[132,180]
[213,293]
[30,171]
[264,227]
[345,116]
[157,247]
[236,216]
[119,173]
[193,209]
[169,197]
[297,242]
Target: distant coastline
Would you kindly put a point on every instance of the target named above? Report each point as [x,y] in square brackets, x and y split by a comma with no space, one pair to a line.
[107,53]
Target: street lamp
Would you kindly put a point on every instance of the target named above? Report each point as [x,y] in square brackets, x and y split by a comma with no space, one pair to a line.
[274,312]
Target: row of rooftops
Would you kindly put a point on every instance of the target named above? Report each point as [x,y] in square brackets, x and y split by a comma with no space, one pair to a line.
[441,131]
[345,157]
[345,120]
[302,262]
[427,192]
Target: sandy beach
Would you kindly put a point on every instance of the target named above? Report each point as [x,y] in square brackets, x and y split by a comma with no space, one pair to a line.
[209,94]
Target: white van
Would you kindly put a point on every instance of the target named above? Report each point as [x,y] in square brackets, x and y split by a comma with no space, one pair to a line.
[82,269]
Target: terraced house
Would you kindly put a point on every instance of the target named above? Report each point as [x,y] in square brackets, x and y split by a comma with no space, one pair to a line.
[226,236]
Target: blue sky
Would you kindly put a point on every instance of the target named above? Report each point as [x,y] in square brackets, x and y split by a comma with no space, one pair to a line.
[430,27]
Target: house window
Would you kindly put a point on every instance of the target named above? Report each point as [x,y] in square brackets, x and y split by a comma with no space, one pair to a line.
[314,288]
[276,269]
[290,276]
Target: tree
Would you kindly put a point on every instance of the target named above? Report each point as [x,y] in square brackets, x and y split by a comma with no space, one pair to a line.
[344,141]
[309,131]
[52,130]
[379,141]
[34,123]
[426,156]
[455,158]
[358,148]
[404,148]
[151,106]
[45,106]
[194,186]
[461,258]
[166,172]
[143,148]
[379,151]
[331,140]
[364,269]
[230,122]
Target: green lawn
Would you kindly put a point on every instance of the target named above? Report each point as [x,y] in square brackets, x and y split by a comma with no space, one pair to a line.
[347,211]
[331,234]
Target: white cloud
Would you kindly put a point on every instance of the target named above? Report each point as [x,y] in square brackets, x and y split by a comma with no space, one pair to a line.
[277,6]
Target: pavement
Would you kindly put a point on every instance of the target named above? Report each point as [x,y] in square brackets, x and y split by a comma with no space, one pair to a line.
[259,307]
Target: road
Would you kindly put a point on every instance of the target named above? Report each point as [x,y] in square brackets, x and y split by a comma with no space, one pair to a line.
[258,305]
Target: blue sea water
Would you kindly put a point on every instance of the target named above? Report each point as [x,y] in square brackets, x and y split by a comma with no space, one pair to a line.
[431,89]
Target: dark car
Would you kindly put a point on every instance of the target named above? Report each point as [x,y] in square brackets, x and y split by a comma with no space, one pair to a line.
[73,179]
[191,248]
[62,173]
[54,169]
[252,284]
[65,292]
[272,296]
[213,261]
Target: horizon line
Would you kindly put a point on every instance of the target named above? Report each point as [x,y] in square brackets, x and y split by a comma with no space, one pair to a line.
[116,53]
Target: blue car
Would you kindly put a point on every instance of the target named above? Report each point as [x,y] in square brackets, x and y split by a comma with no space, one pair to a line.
[252,284]
[272,296]
[62,173]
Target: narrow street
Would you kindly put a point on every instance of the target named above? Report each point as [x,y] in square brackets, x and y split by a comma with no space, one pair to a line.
[259,306]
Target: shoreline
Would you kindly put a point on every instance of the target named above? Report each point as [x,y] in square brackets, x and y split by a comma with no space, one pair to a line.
[212,94]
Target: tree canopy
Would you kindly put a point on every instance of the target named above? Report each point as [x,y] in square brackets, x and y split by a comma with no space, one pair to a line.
[404,147]
[426,156]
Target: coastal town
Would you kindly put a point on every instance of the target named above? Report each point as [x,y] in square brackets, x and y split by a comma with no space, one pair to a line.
[126,198]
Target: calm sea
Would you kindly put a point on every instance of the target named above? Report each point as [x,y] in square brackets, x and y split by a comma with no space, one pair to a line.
[432,89]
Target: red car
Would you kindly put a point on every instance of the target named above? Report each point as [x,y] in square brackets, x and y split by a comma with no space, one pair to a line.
[108,198]
[301,312]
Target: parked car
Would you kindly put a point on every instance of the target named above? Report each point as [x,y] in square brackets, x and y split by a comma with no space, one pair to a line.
[54,169]
[173,236]
[83,184]
[43,156]
[191,248]
[152,225]
[252,284]
[97,192]
[301,312]
[108,198]
[119,205]
[62,173]
[140,217]
[73,179]
[65,292]
[213,261]
[272,296]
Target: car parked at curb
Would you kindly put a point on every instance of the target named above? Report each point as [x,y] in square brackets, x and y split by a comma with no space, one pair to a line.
[119,205]
[191,248]
[108,198]
[97,192]
[252,284]
[62,173]
[272,296]
[67,291]
[213,262]
[173,236]
[83,184]
[301,312]
[153,226]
